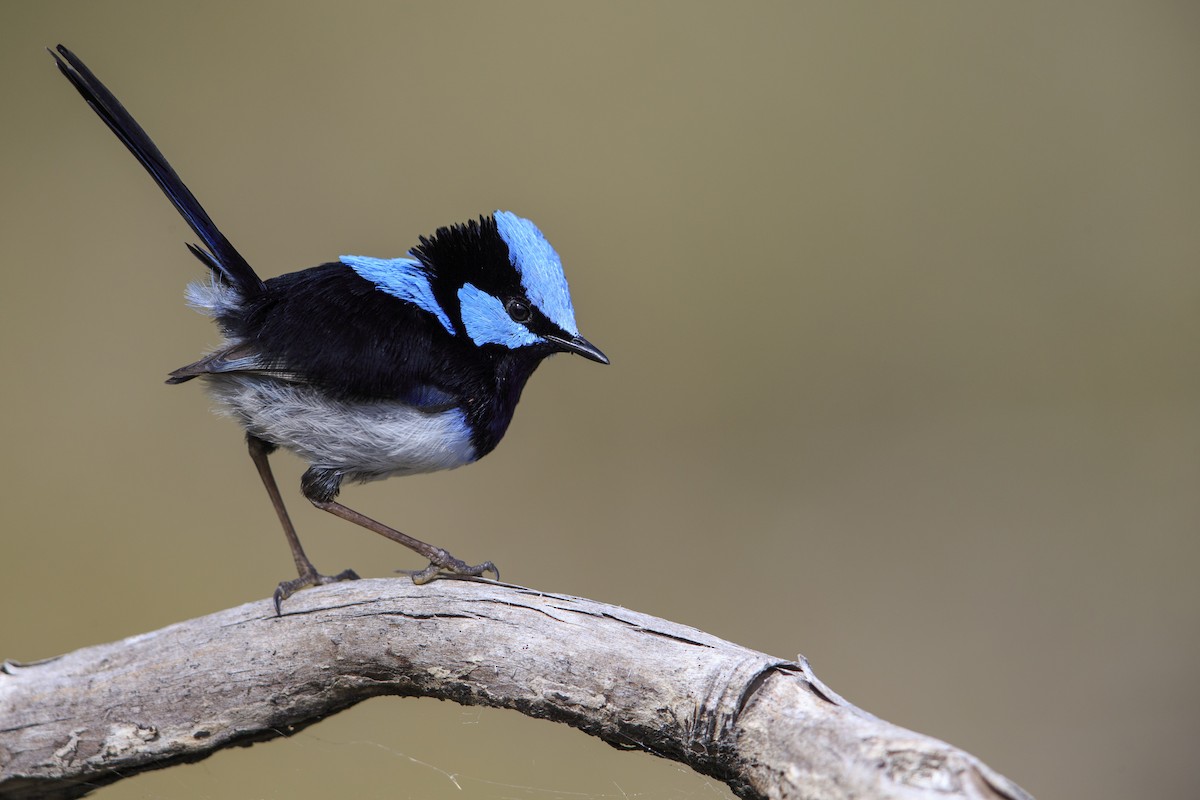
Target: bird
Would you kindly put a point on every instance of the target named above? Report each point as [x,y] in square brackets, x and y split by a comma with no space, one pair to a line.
[367,367]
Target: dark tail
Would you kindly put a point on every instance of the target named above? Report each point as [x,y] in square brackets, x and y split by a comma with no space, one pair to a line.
[221,256]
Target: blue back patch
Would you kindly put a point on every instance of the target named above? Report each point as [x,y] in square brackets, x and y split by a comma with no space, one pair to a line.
[540,269]
[487,321]
[404,278]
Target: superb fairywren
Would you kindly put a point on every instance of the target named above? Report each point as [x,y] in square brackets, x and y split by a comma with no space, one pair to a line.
[368,367]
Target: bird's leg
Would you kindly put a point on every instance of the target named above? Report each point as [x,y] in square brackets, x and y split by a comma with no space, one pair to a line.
[322,486]
[259,452]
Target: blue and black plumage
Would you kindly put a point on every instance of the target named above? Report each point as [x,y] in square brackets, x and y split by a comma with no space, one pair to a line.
[368,367]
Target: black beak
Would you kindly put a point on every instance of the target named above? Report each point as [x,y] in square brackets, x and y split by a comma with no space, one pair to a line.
[579,346]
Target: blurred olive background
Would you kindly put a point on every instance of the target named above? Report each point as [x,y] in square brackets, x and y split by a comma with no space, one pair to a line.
[902,301]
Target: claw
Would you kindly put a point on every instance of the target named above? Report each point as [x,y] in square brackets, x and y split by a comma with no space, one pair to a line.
[287,588]
[449,565]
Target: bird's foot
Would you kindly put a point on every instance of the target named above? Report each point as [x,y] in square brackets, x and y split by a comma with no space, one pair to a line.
[287,588]
[443,563]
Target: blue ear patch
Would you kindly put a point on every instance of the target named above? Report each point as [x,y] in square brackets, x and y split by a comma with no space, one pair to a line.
[487,322]
[540,269]
[404,278]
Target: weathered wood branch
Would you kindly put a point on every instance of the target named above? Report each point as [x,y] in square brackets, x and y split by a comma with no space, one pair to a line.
[765,726]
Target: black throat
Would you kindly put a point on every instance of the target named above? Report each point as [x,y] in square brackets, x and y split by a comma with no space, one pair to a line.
[491,414]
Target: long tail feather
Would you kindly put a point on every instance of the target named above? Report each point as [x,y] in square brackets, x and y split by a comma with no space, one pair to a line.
[221,256]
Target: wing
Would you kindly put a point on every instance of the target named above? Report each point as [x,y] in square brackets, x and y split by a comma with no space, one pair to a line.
[241,359]
[329,327]
[236,358]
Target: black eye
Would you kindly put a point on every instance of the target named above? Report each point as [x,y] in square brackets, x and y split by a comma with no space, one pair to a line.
[518,310]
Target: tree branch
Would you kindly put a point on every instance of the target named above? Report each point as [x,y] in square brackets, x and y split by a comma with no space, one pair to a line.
[765,726]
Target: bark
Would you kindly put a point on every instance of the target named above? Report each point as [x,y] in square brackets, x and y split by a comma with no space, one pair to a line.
[765,726]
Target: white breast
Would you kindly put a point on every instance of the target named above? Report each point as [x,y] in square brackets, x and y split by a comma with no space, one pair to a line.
[364,440]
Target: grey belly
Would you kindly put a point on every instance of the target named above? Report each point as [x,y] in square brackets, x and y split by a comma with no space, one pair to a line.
[363,440]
